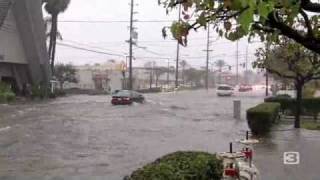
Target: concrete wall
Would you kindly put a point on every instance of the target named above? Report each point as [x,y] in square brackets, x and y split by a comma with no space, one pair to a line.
[11,48]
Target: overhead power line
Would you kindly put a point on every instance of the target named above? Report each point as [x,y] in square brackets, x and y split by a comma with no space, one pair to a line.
[114,21]
[89,50]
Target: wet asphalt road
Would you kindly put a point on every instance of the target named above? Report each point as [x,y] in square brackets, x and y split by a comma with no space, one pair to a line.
[85,137]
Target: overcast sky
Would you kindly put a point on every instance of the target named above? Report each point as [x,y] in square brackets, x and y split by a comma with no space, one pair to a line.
[110,35]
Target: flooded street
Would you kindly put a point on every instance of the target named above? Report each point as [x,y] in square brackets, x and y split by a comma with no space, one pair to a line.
[78,137]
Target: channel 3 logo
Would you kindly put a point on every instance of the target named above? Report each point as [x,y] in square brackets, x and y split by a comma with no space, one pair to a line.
[291,158]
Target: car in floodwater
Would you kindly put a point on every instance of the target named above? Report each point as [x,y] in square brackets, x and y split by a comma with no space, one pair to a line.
[225,90]
[126,97]
[245,88]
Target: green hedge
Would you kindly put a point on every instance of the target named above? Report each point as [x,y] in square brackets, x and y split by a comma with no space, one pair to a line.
[310,106]
[287,103]
[6,94]
[181,166]
[261,117]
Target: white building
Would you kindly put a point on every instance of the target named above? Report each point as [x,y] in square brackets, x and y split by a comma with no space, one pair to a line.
[104,77]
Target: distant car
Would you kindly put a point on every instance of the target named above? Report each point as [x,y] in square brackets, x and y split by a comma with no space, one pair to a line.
[225,90]
[126,97]
[245,88]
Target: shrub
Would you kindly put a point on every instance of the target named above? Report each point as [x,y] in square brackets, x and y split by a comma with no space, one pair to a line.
[287,104]
[38,91]
[311,106]
[261,117]
[181,166]
[6,94]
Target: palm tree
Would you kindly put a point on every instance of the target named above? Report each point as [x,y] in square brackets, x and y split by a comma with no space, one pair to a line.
[54,8]
[48,27]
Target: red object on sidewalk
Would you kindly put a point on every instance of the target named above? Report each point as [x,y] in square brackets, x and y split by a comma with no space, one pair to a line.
[231,172]
[248,154]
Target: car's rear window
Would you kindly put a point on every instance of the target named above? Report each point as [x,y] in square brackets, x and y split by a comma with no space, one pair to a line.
[122,94]
[224,88]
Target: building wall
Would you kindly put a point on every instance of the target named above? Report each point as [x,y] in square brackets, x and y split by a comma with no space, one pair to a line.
[85,79]
[11,49]
[115,82]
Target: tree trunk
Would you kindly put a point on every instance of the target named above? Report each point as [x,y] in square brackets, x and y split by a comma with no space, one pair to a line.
[299,87]
[50,45]
[54,40]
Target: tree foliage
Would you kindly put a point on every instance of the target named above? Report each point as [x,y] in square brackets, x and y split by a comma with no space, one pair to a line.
[234,19]
[65,73]
[194,76]
[291,61]
[220,64]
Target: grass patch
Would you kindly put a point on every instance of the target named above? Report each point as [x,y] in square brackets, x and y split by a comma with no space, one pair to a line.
[311,125]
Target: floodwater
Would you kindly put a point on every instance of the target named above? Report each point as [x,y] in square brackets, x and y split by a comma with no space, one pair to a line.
[85,137]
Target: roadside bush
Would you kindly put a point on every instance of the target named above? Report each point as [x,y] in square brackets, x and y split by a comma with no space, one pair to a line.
[261,117]
[311,106]
[287,104]
[181,166]
[6,94]
[38,91]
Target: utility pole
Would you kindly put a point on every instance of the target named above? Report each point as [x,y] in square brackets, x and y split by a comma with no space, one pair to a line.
[247,52]
[168,73]
[237,63]
[267,74]
[178,52]
[208,56]
[130,45]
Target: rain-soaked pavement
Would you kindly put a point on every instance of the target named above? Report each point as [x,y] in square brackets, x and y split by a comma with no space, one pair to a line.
[84,137]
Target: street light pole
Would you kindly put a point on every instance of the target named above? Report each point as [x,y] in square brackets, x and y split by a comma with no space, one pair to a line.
[130,44]
[207,63]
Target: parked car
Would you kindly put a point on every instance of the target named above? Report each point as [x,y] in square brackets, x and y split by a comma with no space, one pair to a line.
[225,90]
[126,97]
